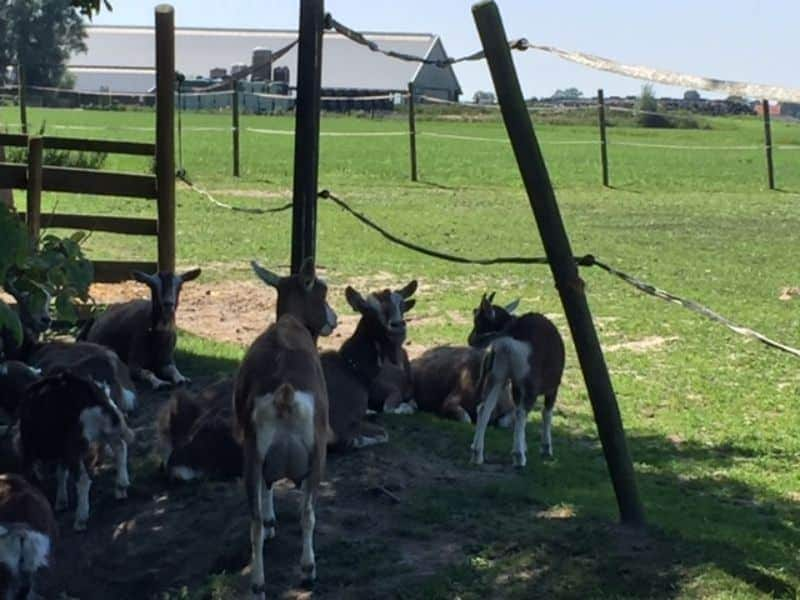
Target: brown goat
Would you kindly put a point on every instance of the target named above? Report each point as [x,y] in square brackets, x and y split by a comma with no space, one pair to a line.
[27,533]
[281,411]
[143,333]
[527,351]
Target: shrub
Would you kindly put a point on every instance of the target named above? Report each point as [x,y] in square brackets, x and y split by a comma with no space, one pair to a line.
[60,158]
[648,116]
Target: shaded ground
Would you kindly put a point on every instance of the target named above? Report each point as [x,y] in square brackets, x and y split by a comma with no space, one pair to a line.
[376,536]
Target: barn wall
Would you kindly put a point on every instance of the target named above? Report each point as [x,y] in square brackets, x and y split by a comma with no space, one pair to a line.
[437,81]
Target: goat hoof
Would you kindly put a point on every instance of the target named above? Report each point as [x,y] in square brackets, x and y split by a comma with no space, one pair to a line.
[309,575]
[121,492]
[518,460]
[477,457]
[80,525]
[259,592]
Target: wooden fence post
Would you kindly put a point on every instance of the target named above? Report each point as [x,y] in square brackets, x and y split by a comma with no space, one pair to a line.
[768,144]
[22,97]
[412,131]
[559,253]
[235,113]
[6,196]
[306,136]
[33,207]
[165,135]
[601,114]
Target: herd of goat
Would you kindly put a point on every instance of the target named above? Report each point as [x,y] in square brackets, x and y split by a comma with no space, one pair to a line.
[274,419]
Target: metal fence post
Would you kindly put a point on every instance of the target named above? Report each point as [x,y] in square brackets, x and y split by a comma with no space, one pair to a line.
[165,135]
[559,253]
[235,114]
[768,144]
[33,209]
[601,114]
[412,131]
[306,127]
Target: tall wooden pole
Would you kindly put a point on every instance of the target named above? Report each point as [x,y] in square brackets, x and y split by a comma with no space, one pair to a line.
[601,114]
[412,131]
[306,132]
[559,253]
[22,82]
[165,135]
[235,129]
[768,144]
[6,196]
[33,209]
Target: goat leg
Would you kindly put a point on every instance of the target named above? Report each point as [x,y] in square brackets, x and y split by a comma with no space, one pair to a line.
[62,494]
[254,487]
[171,373]
[268,511]
[547,424]
[123,482]
[308,566]
[155,382]
[484,416]
[83,485]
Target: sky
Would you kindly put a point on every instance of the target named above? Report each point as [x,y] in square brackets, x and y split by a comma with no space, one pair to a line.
[744,40]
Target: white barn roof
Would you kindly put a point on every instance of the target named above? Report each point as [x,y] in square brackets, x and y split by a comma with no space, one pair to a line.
[123,54]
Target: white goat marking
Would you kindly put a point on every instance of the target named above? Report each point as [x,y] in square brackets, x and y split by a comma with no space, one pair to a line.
[307,521]
[121,463]
[404,408]
[184,473]
[128,400]
[363,441]
[83,486]
[95,424]
[547,439]
[23,550]
[300,422]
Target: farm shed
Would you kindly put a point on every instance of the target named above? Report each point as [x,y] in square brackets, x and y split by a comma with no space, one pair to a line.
[118,59]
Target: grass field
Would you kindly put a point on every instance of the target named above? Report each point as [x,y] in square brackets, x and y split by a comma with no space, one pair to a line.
[712,418]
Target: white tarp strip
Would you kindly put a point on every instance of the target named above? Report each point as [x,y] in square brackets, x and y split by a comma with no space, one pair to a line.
[733,88]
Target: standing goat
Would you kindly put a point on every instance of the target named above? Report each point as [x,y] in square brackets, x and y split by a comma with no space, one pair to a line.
[61,416]
[392,390]
[527,351]
[143,333]
[281,411]
[27,534]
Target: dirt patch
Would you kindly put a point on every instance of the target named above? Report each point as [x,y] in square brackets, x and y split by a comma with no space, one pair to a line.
[647,344]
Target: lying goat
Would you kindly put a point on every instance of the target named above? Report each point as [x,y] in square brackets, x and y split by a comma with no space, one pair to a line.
[195,437]
[143,333]
[27,534]
[527,351]
[92,361]
[15,378]
[447,382]
[281,411]
[392,390]
[60,418]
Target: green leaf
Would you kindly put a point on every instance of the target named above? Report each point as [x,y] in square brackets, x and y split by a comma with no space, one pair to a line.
[65,309]
[10,321]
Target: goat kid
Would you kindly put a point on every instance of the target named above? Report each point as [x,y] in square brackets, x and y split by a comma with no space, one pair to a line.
[60,418]
[392,390]
[27,533]
[281,411]
[528,351]
[195,438]
[143,333]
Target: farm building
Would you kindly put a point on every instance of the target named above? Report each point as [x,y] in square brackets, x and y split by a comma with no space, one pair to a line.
[120,59]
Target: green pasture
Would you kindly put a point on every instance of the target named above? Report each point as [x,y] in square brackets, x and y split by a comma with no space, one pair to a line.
[712,417]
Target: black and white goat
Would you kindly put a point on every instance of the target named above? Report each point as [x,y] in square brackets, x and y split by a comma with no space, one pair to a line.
[528,351]
[60,418]
[93,361]
[392,390]
[27,534]
[143,333]
[351,371]
[195,435]
[281,411]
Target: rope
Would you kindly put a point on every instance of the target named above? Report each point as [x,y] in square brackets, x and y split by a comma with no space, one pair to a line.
[359,38]
[331,133]
[505,141]
[181,175]
[695,307]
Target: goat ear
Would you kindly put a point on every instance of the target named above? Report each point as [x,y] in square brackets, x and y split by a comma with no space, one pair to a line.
[510,308]
[408,305]
[265,275]
[409,290]
[190,275]
[490,299]
[144,278]
[355,300]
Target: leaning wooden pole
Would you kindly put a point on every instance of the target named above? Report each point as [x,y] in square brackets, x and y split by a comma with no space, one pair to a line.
[33,208]
[559,253]
[165,135]
[601,115]
[306,132]
[768,144]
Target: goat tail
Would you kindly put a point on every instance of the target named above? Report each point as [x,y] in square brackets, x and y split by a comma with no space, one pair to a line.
[283,399]
[279,405]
